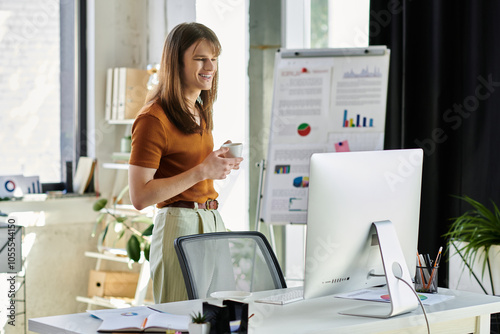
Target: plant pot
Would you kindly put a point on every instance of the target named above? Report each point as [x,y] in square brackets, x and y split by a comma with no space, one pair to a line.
[125,145]
[203,328]
[460,277]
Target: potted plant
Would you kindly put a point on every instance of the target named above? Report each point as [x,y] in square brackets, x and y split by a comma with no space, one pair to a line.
[475,237]
[137,241]
[125,144]
[199,324]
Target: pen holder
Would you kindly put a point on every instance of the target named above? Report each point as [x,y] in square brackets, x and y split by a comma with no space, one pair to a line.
[426,279]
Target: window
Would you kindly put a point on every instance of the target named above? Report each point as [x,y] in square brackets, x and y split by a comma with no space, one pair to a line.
[325,23]
[36,87]
[229,21]
[319,24]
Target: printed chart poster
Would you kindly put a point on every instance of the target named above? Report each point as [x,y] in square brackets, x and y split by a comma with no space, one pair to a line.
[300,106]
[320,104]
[360,88]
[19,185]
[288,182]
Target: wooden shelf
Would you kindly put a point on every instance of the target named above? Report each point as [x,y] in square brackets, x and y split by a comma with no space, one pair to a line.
[110,302]
[129,210]
[104,302]
[110,165]
[109,257]
[121,121]
[120,302]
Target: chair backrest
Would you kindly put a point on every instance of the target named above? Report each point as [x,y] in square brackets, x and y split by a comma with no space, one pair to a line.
[227,261]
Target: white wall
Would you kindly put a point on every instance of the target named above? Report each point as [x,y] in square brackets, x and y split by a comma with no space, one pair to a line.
[56,268]
[117,36]
[229,21]
[349,23]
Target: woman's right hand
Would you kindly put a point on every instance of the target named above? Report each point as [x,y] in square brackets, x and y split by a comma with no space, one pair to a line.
[216,166]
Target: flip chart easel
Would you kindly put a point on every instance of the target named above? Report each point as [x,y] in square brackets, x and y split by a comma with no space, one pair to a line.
[324,100]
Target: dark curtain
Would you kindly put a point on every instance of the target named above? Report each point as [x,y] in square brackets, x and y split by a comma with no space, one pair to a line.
[444,96]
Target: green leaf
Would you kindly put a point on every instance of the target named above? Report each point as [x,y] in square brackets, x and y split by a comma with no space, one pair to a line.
[198,318]
[147,247]
[121,219]
[479,227]
[148,231]
[120,235]
[102,236]
[134,248]
[97,222]
[121,194]
[142,219]
[100,204]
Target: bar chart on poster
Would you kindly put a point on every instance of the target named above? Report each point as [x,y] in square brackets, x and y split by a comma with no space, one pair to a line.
[324,100]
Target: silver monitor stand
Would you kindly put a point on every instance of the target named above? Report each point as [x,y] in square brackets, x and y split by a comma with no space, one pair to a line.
[403,299]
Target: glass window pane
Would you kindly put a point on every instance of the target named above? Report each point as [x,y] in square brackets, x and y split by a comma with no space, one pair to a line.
[30,89]
[319,24]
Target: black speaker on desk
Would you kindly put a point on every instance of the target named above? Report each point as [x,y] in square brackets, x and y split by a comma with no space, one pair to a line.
[220,318]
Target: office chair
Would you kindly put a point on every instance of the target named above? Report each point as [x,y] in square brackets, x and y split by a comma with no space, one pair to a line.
[227,261]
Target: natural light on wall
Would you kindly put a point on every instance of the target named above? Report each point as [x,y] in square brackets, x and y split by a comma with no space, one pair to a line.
[325,23]
[29,89]
[318,24]
[229,21]
[349,22]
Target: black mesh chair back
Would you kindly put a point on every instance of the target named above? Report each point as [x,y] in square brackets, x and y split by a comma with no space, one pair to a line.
[227,261]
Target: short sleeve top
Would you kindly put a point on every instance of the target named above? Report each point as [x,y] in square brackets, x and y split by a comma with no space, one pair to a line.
[158,144]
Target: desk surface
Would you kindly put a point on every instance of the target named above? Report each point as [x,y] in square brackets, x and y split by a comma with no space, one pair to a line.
[467,312]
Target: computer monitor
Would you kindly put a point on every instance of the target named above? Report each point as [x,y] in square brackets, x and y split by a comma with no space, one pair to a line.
[348,192]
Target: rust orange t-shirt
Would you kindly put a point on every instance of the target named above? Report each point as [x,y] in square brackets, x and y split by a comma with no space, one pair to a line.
[157,143]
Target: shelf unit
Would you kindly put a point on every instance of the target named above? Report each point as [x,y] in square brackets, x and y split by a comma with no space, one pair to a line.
[118,160]
[122,121]
[130,211]
[142,284]
[112,165]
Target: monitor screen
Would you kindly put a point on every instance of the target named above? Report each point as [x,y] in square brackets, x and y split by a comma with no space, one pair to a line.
[347,192]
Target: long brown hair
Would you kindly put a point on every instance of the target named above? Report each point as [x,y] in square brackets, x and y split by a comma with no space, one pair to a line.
[169,91]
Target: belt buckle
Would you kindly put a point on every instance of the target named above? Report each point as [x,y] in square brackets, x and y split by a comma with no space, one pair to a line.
[210,206]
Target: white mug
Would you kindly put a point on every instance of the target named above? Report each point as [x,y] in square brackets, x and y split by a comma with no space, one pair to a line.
[235,150]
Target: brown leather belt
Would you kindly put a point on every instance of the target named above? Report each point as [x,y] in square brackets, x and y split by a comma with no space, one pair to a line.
[210,204]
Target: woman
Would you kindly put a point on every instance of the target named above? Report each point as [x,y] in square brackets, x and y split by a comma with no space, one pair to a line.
[172,162]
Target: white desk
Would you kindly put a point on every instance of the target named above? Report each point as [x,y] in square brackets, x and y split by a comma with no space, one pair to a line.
[466,313]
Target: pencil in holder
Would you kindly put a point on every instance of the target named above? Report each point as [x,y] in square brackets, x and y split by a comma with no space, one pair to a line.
[426,279]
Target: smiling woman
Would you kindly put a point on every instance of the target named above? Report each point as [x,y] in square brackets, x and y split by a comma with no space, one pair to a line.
[172,162]
[200,67]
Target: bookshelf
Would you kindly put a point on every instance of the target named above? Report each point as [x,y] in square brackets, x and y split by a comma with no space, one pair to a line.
[112,165]
[121,121]
[117,302]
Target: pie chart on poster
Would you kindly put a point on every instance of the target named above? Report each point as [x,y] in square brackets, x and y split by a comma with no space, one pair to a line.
[304,129]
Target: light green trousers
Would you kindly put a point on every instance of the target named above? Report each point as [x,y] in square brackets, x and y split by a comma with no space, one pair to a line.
[170,223]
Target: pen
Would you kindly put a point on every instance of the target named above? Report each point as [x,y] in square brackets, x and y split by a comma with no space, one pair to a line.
[144,323]
[436,264]
[438,257]
[428,264]
[251,316]
[420,266]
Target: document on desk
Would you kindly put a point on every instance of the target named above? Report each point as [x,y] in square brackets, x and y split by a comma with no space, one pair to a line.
[139,319]
[382,295]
